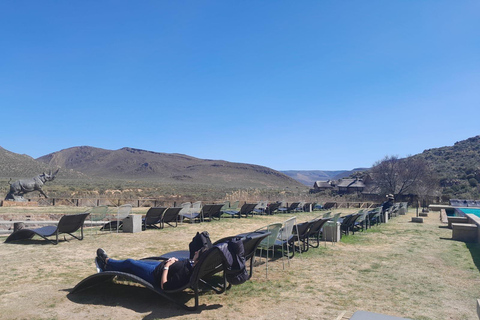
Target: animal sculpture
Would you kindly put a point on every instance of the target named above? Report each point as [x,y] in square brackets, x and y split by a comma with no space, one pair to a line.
[22,186]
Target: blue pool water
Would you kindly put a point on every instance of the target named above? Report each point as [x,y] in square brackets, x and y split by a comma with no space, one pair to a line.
[475,211]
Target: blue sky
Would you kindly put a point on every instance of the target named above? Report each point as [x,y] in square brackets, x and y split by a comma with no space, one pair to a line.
[291,85]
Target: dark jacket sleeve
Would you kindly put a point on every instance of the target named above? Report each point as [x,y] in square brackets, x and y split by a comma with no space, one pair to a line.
[178,275]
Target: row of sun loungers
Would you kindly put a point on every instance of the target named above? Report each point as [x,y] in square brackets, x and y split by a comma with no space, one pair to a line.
[464,203]
[157,217]
[287,238]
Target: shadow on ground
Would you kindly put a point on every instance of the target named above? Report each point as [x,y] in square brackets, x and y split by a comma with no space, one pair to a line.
[475,252]
[137,299]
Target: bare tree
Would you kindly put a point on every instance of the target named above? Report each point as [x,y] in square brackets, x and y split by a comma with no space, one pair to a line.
[402,176]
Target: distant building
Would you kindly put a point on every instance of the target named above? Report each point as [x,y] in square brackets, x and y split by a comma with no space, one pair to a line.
[322,185]
[350,186]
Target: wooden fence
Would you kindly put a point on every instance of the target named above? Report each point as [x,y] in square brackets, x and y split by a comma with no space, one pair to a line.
[92,202]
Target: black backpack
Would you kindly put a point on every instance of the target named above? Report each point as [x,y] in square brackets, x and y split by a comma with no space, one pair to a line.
[201,240]
[234,253]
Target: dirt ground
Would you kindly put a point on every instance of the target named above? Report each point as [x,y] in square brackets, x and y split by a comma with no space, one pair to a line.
[399,268]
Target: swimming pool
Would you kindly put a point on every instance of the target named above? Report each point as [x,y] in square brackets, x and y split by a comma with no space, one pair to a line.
[475,211]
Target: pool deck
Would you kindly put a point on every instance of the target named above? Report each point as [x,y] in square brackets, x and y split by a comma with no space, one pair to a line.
[438,207]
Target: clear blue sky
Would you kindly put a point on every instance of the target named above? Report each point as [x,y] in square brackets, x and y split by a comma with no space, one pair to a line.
[307,85]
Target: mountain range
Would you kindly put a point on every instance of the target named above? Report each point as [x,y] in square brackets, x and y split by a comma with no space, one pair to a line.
[135,164]
[457,168]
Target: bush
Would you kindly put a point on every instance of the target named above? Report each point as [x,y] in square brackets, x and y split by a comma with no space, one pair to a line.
[473,182]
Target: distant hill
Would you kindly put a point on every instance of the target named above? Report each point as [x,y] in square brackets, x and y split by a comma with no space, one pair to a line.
[136,164]
[15,166]
[308,177]
[457,167]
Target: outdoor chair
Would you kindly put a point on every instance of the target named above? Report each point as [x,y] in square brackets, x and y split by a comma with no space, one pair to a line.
[268,243]
[153,217]
[211,212]
[251,240]
[272,207]
[349,225]
[292,207]
[245,210]
[456,203]
[190,213]
[283,206]
[300,207]
[329,205]
[301,235]
[471,203]
[315,231]
[116,221]
[209,263]
[361,222]
[170,217]
[196,207]
[308,206]
[185,209]
[345,223]
[374,216]
[67,224]
[284,239]
[260,207]
[97,213]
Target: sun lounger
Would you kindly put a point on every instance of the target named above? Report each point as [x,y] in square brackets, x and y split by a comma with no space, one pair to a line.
[329,205]
[301,234]
[348,223]
[67,224]
[245,210]
[153,217]
[272,207]
[207,265]
[292,207]
[251,240]
[170,217]
[315,231]
[211,212]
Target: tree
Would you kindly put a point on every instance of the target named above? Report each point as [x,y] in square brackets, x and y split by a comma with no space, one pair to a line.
[411,175]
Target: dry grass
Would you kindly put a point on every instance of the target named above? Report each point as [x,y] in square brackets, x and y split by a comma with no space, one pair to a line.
[399,268]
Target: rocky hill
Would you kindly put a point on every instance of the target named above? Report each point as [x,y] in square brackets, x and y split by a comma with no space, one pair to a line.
[457,167]
[135,164]
[16,166]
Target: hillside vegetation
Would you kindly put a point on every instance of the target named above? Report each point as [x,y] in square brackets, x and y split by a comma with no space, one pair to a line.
[457,167]
[88,171]
[135,164]
[133,173]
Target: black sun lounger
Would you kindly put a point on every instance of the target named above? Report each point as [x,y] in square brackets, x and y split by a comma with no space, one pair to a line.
[315,231]
[170,216]
[251,241]
[302,236]
[209,263]
[245,210]
[211,212]
[67,224]
[153,217]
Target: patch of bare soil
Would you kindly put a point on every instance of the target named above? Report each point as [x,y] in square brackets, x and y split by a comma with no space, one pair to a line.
[400,268]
